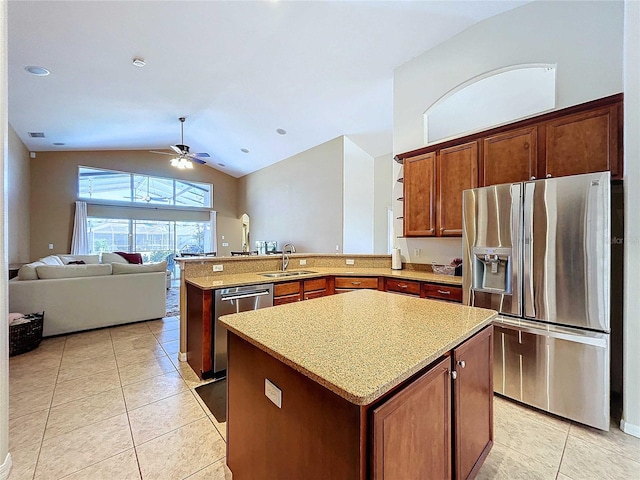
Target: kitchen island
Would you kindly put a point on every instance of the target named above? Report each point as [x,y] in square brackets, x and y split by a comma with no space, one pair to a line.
[367,384]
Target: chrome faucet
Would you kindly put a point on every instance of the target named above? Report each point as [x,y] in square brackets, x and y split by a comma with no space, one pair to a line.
[285,256]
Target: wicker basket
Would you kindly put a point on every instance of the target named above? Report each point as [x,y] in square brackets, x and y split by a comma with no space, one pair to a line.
[443,269]
[24,337]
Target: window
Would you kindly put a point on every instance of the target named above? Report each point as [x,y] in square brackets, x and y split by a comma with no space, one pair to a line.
[156,240]
[114,186]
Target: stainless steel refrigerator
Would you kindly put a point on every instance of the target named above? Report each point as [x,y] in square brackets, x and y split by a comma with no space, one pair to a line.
[539,253]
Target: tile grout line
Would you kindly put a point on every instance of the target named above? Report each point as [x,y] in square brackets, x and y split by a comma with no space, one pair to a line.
[564,449]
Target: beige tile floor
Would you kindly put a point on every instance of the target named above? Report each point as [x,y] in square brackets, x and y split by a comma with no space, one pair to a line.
[117,404]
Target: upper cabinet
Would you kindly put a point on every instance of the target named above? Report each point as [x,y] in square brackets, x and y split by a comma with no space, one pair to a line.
[581,139]
[510,157]
[583,143]
[457,170]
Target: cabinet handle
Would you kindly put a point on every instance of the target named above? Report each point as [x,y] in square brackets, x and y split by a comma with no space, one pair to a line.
[442,229]
[356,283]
[454,374]
[462,363]
[532,178]
[402,286]
[549,175]
[444,292]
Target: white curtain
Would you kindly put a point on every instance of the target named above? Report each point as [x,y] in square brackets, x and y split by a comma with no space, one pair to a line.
[214,236]
[80,240]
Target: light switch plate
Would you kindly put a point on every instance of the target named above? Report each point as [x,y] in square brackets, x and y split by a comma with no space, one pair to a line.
[225,244]
[51,246]
[273,393]
[218,268]
[351,261]
[303,262]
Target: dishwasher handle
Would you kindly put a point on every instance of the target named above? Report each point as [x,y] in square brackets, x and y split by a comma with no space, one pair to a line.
[256,293]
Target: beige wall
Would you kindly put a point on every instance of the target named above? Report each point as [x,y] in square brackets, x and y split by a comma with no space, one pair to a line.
[54,177]
[18,199]
[297,200]
[631,347]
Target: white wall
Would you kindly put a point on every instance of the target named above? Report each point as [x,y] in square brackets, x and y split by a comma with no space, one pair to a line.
[18,199]
[382,187]
[358,199]
[5,458]
[631,386]
[584,39]
[297,200]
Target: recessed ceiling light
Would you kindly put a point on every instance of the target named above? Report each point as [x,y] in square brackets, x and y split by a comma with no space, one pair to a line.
[221,165]
[139,62]
[244,150]
[281,131]
[59,143]
[38,71]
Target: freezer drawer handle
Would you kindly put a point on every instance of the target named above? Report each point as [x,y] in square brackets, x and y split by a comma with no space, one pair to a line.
[444,292]
[246,295]
[462,363]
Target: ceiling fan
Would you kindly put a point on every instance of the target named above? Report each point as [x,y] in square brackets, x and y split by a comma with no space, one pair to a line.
[148,197]
[183,159]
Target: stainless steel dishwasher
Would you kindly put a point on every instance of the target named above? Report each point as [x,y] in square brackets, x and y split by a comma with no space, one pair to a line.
[234,300]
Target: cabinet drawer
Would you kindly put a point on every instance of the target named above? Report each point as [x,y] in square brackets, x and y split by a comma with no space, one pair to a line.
[356,282]
[286,288]
[315,284]
[315,294]
[442,292]
[286,299]
[403,286]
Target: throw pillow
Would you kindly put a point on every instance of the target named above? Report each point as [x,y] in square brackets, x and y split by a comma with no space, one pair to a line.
[108,257]
[51,260]
[131,257]
[123,268]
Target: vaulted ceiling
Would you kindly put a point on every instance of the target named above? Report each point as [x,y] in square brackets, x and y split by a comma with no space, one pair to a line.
[238,70]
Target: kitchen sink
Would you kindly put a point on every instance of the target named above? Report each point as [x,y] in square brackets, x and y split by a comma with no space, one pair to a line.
[291,273]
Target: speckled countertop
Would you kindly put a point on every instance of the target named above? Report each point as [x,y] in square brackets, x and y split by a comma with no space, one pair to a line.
[237,279]
[359,344]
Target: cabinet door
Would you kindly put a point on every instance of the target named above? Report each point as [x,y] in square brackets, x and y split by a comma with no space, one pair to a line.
[457,169]
[437,291]
[510,157]
[419,196]
[583,143]
[412,430]
[473,402]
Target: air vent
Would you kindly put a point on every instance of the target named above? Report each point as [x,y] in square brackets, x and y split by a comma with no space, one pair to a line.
[36,134]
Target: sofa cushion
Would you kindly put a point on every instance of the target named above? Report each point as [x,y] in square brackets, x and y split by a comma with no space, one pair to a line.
[51,260]
[131,257]
[72,271]
[108,257]
[88,259]
[28,271]
[124,268]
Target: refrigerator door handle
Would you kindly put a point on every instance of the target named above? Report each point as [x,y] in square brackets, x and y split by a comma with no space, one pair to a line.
[585,337]
[529,306]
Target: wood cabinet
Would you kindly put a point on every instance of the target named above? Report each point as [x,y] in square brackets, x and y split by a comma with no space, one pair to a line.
[287,292]
[314,288]
[425,431]
[408,287]
[419,214]
[583,143]
[412,430]
[457,169]
[437,291]
[473,403]
[510,157]
[200,330]
[346,284]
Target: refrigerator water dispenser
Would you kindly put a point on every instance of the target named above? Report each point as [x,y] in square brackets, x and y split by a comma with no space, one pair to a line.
[492,269]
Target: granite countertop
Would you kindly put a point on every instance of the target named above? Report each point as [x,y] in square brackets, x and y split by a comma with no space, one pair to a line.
[235,280]
[360,344]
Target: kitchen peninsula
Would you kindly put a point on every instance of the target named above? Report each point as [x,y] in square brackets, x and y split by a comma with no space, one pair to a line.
[366,384]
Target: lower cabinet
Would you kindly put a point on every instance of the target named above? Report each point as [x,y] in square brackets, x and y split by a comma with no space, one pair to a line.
[346,284]
[435,291]
[286,292]
[440,425]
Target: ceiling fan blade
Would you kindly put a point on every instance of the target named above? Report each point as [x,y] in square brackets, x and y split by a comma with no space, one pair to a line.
[201,155]
[176,148]
[197,160]
[162,153]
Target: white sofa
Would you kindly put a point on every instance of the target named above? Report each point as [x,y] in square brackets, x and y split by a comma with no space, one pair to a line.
[90,295]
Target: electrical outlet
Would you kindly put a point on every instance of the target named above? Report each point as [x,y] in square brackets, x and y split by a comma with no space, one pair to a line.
[51,246]
[337,248]
[225,244]
[351,261]
[218,268]
[303,262]
[416,252]
[273,393]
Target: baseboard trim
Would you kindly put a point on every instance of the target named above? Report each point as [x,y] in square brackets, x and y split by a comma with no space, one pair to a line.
[5,468]
[182,357]
[630,428]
